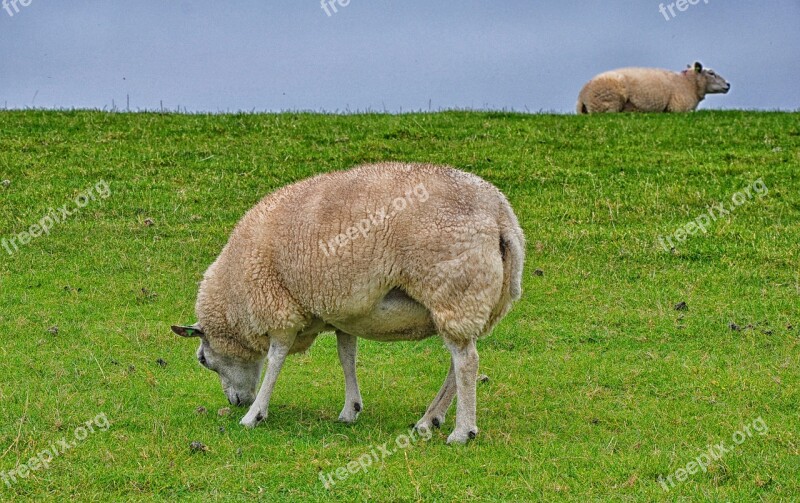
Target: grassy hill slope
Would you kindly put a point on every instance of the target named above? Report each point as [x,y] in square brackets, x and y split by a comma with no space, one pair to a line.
[597,385]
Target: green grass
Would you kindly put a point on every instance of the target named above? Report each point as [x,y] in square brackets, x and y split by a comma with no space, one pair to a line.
[598,385]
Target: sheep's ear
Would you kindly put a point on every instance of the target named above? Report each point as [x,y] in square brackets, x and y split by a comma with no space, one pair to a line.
[698,67]
[190,331]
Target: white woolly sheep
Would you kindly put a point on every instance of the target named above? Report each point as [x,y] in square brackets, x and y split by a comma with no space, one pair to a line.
[649,90]
[387,252]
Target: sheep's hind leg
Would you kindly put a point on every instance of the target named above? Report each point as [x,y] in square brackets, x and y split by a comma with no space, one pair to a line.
[434,416]
[460,294]
[465,366]
[280,344]
[346,346]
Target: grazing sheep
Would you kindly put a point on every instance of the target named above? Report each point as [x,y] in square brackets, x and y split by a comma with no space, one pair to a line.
[387,252]
[649,90]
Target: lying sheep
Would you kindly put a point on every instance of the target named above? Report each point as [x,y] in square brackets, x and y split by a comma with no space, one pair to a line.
[387,252]
[649,90]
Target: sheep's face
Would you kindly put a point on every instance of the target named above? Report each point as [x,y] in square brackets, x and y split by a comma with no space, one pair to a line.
[714,83]
[239,377]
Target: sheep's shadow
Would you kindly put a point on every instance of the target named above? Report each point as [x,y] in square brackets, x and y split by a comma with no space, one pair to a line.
[293,421]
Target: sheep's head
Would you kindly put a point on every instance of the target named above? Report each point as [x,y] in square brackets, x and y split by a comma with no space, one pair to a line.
[710,81]
[239,375]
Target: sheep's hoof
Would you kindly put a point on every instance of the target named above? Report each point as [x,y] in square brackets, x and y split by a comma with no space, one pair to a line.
[427,425]
[350,411]
[462,437]
[423,428]
[348,416]
[251,419]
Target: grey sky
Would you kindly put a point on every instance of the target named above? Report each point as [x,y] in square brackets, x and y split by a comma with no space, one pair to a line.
[522,55]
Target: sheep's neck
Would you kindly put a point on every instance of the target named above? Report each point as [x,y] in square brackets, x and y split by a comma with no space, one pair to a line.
[696,82]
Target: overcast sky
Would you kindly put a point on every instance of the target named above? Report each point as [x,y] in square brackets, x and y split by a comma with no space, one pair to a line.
[205,55]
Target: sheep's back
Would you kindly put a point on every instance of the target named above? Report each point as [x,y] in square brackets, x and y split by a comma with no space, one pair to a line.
[341,240]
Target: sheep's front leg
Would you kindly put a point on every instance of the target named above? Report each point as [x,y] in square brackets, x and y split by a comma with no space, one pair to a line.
[279,346]
[346,346]
[434,416]
[465,365]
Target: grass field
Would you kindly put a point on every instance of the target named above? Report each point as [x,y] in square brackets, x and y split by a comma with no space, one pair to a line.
[598,385]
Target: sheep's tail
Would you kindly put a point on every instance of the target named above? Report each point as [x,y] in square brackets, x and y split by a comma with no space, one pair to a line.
[512,251]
